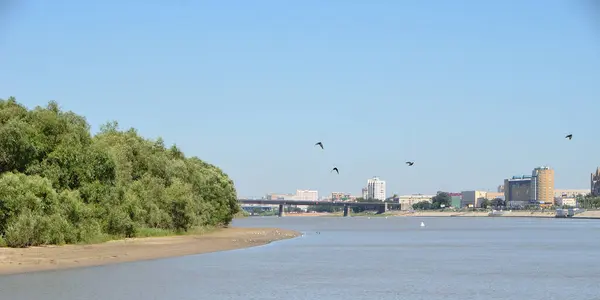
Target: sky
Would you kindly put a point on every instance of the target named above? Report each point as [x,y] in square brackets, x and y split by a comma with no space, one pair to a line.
[472,91]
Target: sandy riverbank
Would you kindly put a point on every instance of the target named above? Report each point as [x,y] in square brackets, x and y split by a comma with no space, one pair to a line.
[72,256]
[314,214]
[589,214]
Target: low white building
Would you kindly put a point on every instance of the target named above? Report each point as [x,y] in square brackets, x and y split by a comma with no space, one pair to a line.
[301,195]
[407,201]
[306,195]
[570,193]
[566,201]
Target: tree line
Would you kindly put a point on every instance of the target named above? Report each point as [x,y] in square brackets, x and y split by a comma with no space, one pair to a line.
[588,201]
[61,184]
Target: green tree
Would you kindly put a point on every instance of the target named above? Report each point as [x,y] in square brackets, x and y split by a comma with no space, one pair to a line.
[423,205]
[485,203]
[442,198]
[497,202]
[324,207]
[61,184]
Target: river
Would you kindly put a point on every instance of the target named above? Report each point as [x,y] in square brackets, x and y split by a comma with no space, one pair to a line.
[354,259]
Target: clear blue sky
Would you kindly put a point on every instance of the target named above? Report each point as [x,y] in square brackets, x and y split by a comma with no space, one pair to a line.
[472,91]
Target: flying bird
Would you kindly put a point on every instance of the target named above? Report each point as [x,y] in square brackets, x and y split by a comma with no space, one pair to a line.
[320,144]
[410,163]
[335,169]
[569,136]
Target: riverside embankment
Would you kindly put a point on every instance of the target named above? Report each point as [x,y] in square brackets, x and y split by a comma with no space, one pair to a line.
[523,214]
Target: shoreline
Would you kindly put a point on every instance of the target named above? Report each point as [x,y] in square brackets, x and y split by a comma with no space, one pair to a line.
[46,258]
[590,215]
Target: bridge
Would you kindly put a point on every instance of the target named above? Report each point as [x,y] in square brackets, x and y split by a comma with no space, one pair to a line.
[380,206]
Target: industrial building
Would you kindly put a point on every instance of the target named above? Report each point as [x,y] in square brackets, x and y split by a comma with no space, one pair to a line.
[472,198]
[517,191]
[455,199]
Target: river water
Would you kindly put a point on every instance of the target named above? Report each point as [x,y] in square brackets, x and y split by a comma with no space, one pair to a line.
[356,258]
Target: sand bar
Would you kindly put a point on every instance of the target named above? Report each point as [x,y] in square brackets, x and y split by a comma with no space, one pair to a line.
[22,260]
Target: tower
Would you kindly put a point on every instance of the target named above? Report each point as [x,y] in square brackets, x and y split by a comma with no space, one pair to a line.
[542,186]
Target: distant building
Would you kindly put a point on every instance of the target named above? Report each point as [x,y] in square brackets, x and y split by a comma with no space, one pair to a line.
[406,201]
[339,196]
[364,193]
[595,183]
[566,201]
[517,191]
[376,189]
[472,198]
[274,196]
[493,195]
[306,195]
[570,193]
[542,186]
[455,200]
[501,188]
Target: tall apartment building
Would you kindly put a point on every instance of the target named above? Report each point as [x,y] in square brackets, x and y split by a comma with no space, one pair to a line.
[376,189]
[517,191]
[595,183]
[542,186]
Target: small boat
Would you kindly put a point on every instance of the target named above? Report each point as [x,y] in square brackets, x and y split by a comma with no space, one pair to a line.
[422,224]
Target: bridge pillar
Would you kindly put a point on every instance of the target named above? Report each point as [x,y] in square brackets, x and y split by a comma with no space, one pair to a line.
[383,208]
[346,210]
[281,210]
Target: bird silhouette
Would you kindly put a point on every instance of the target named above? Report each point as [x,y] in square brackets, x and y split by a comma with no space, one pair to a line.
[410,163]
[569,136]
[335,169]
[320,144]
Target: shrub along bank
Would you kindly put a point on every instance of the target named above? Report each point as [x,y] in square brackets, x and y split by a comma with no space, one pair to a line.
[59,184]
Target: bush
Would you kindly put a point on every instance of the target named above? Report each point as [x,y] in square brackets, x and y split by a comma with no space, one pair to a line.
[59,184]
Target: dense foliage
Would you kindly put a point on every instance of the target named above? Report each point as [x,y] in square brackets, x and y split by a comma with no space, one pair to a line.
[588,201]
[59,184]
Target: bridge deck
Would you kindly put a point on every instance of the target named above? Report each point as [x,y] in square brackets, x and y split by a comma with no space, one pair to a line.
[304,202]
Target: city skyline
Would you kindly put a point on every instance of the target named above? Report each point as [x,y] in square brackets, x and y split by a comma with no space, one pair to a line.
[525,194]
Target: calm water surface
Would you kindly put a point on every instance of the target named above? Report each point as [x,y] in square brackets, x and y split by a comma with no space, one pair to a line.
[356,258]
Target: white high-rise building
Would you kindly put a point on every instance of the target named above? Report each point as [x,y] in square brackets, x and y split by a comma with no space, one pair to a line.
[376,189]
